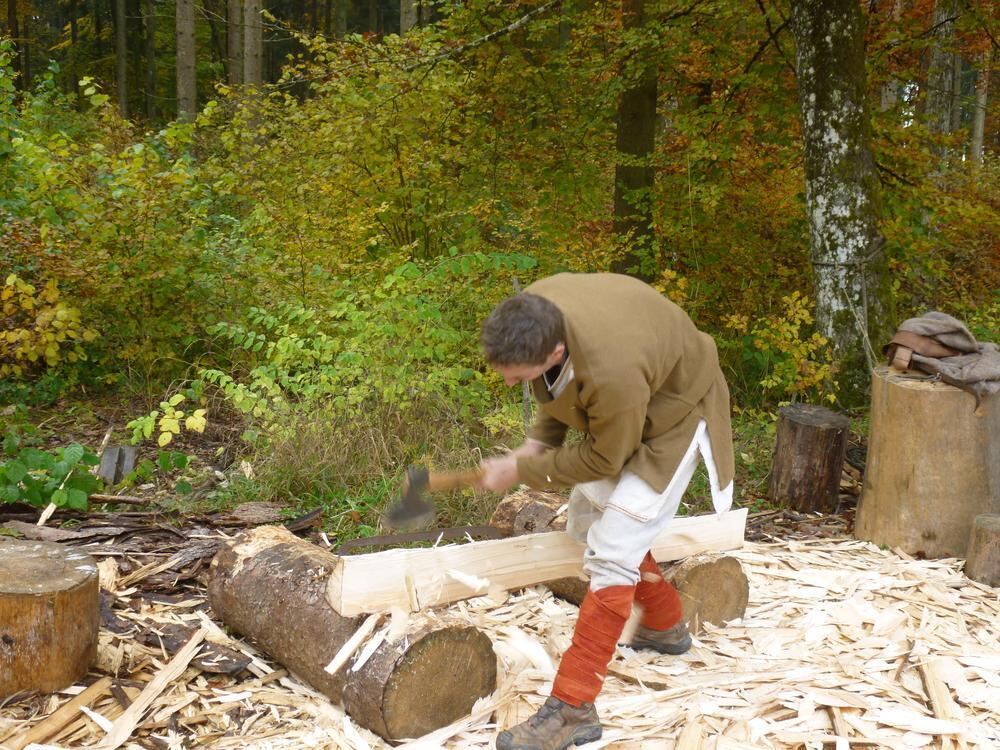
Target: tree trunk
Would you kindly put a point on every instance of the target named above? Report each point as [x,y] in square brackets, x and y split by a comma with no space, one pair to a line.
[983,563]
[408,12]
[890,88]
[328,19]
[149,16]
[842,192]
[25,51]
[253,42]
[374,17]
[635,142]
[187,96]
[234,41]
[121,56]
[940,69]
[13,28]
[74,52]
[713,587]
[98,28]
[271,586]
[933,466]
[808,458]
[49,616]
[979,114]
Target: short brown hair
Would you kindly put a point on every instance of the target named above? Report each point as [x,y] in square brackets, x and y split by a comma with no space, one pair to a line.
[522,330]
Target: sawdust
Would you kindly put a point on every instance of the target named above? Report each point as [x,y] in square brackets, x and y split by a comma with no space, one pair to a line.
[843,645]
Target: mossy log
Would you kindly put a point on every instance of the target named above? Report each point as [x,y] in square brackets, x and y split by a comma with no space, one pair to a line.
[49,616]
[271,586]
[713,587]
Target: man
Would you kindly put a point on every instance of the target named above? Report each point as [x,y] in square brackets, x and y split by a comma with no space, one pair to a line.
[608,355]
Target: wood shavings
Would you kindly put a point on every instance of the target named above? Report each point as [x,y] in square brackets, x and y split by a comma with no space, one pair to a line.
[842,645]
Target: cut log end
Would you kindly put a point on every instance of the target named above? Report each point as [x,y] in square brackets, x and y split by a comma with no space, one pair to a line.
[49,616]
[437,680]
[713,589]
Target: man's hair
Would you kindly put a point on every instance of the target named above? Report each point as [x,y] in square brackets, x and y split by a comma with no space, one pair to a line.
[522,330]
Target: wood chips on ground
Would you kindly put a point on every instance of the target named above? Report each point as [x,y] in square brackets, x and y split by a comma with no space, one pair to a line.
[843,645]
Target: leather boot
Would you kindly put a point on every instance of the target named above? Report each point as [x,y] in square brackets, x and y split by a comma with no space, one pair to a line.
[555,726]
[661,627]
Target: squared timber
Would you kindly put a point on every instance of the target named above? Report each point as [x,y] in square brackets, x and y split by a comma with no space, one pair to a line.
[414,579]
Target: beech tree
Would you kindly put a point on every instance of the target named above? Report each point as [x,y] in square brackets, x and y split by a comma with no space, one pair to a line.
[187,96]
[842,187]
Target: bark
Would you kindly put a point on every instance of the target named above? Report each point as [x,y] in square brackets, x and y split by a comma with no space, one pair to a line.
[272,586]
[933,466]
[983,563]
[328,18]
[374,17]
[890,89]
[74,37]
[187,96]
[979,114]
[842,189]
[98,28]
[149,17]
[121,56]
[634,175]
[808,458]
[253,42]
[49,616]
[234,41]
[408,14]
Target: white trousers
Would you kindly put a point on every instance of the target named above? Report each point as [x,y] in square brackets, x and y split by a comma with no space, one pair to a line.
[619,518]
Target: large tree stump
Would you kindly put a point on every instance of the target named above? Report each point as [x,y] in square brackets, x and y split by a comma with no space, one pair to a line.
[808,457]
[713,587]
[271,586]
[49,616]
[983,562]
[933,466]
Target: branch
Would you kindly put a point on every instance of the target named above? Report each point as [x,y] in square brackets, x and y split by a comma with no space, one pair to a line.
[773,36]
[894,175]
[484,39]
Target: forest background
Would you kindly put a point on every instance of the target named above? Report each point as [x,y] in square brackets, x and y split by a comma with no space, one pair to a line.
[258,238]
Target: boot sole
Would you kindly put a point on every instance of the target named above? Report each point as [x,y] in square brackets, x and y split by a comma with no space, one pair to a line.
[673,649]
[589,735]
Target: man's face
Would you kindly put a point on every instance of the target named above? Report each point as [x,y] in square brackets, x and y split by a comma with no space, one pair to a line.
[513,374]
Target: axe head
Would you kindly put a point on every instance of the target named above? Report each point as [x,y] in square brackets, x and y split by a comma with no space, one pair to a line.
[411,510]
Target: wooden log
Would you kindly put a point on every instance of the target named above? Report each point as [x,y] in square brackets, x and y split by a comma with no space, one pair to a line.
[713,588]
[49,616]
[420,578]
[983,561]
[271,586]
[808,457]
[933,466]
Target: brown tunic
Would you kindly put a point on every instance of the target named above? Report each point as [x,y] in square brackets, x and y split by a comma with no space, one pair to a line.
[644,377]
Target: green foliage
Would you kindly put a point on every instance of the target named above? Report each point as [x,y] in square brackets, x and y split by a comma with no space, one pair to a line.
[62,477]
[167,420]
[785,358]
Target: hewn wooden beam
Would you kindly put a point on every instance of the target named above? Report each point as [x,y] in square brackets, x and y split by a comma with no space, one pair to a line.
[414,579]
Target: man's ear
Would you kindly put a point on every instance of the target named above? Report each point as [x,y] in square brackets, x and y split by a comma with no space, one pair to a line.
[557,354]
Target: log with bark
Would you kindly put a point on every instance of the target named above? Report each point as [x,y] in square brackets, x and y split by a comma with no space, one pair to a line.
[808,458]
[49,616]
[983,562]
[713,587]
[271,586]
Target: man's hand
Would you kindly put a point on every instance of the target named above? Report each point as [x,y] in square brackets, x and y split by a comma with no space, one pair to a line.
[499,474]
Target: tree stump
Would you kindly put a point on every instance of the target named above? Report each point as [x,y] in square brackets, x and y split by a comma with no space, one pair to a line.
[983,562]
[933,466]
[271,586]
[713,588]
[808,457]
[49,616]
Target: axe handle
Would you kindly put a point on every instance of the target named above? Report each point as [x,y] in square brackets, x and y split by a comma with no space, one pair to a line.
[438,481]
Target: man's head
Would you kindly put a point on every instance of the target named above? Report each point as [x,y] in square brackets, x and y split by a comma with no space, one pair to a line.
[523,337]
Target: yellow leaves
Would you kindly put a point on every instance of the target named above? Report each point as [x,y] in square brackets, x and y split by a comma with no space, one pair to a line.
[196,421]
[40,328]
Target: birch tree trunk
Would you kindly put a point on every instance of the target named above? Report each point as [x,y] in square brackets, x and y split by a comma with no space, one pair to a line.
[979,114]
[253,42]
[187,97]
[234,41]
[842,196]
[635,141]
[121,57]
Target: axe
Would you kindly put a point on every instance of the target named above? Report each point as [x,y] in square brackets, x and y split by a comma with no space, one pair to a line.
[412,510]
